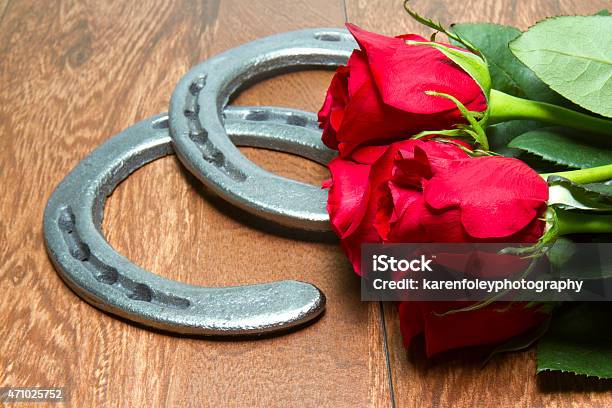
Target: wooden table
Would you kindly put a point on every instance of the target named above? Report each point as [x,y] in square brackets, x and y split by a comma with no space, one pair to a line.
[73,73]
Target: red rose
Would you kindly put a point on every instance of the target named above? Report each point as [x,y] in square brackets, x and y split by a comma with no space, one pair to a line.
[489,325]
[429,191]
[379,96]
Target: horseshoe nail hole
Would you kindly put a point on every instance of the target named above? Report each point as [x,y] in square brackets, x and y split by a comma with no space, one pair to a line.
[197,85]
[161,123]
[217,158]
[66,220]
[328,37]
[177,302]
[107,275]
[141,292]
[199,137]
[80,251]
[76,248]
[258,116]
[191,114]
[297,121]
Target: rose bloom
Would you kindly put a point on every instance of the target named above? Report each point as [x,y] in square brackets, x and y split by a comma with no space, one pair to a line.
[383,87]
[431,191]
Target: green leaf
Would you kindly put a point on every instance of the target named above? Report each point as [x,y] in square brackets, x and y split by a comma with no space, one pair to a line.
[474,129]
[566,258]
[511,76]
[572,55]
[500,134]
[568,195]
[520,342]
[560,147]
[471,63]
[579,341]
[508,74]
[569,260]
[561,251]
[604,189]
[594,195]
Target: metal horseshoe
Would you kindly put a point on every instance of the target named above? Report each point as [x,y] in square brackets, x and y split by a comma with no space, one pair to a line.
[201,140]
[109,281]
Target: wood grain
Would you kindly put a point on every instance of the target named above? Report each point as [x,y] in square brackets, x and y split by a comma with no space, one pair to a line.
[458,380]
[73,74]
[388,17]
[3,6]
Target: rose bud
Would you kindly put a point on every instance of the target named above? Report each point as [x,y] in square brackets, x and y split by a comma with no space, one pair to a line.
[430,191]
[395,87]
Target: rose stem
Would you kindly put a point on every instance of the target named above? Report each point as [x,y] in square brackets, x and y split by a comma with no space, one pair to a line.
[584,176]
[573,222]
[504,107]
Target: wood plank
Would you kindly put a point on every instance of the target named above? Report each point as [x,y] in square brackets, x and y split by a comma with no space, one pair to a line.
[3,6]
[458,380]
[390,18]
[73,74]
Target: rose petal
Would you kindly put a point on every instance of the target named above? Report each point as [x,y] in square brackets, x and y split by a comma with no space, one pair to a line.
[331,114]
[359,73]
[424,160]
[368,154]
[403,73]
[367,118]
[405,224]
[345,202]
[488,325]
[496,196]
[351,245]
[373,42]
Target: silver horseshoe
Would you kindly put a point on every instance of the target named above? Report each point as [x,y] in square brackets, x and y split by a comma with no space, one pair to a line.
[109,281]
[201,140]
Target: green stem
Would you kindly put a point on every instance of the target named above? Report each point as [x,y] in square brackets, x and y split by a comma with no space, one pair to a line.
[584,176]
[574,222]
[504,107]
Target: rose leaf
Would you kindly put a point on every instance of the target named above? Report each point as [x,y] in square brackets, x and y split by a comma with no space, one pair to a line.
[579,341]
[558,146]
[572,55]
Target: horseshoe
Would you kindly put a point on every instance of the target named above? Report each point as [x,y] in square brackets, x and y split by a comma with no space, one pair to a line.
[202,143]
[109,281]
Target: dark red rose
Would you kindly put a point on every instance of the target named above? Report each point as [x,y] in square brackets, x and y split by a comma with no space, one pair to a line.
[379,96]
[486,326]
[430,191]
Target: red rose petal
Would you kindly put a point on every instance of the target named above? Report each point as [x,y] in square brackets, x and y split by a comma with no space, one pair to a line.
[488,325]
[403,73]
[496,196]
[331,114]
[359,73]
[345,203]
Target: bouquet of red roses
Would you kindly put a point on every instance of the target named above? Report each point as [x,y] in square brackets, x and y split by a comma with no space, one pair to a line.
[447,142]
